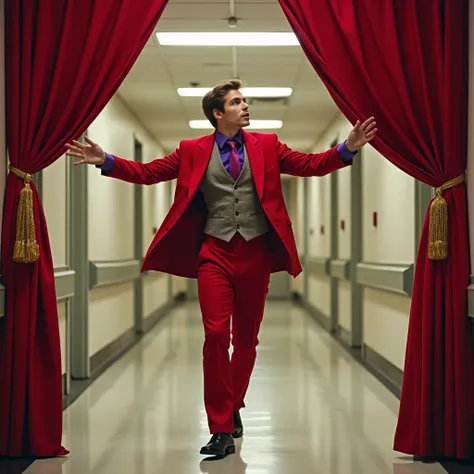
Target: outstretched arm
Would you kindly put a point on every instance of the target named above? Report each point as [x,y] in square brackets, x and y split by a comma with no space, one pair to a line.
[156,171]
[161,169]
[319,164]
[311,164]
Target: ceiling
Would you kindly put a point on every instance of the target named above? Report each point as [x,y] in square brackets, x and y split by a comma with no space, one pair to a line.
[150,89]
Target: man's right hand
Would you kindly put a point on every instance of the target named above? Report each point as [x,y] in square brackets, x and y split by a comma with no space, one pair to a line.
[91,154]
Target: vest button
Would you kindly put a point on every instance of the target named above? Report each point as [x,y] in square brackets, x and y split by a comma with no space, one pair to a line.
[237,213]
[236,186]
[236,200]
[238,226]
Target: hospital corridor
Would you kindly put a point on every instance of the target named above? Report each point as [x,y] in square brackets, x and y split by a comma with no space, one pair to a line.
[237,237]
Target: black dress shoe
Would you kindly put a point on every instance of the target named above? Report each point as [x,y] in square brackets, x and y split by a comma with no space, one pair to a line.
[221,444]
[238,427]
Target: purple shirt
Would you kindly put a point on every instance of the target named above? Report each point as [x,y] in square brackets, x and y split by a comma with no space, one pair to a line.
[224,149]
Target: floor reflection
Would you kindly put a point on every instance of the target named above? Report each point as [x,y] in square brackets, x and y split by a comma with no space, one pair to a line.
[310,408]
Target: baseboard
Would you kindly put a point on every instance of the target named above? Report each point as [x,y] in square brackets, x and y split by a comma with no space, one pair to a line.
[157,315]
[322,319]
[111,353]
[387,373]
[99,363]
[344,337]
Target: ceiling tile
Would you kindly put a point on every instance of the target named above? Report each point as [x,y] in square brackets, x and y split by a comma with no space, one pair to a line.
[150,88]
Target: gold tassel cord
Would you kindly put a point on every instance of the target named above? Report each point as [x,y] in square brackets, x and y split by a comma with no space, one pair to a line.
[438,243]
[26,249]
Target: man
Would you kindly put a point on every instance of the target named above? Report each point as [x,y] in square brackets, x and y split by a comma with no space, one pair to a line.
[229,228]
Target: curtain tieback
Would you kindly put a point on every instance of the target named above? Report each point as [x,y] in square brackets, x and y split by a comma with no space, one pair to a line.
[26,249]
[438,244]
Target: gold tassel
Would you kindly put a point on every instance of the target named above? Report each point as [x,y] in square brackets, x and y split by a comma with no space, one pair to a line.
[438,225]
[438,247]
[26,249]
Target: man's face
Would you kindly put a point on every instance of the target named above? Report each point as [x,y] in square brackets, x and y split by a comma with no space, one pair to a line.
[236,111]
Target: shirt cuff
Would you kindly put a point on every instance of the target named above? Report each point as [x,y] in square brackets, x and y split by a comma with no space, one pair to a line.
[108,164]
[344,153]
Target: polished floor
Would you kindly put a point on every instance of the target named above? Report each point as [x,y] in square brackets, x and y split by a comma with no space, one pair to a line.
[311,408]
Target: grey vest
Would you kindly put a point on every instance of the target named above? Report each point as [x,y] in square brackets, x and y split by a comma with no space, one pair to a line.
[231,206]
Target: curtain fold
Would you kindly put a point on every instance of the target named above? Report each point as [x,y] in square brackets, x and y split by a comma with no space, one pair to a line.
[64,62]
[406,64]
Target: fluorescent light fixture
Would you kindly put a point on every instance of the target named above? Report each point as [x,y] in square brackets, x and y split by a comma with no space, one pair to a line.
[254,124]
[246,91]
[227,38]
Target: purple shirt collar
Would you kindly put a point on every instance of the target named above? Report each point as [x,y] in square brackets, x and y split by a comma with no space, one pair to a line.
[222,139]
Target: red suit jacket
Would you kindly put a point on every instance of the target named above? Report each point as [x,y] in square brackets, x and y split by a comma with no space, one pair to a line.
[176,245]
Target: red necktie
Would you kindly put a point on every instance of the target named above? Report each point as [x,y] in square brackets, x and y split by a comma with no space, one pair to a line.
[234,159]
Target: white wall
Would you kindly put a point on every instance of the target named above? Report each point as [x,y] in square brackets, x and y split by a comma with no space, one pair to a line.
[344,207]
[296,213]
[300,232]
[344,235]
[155,291]
[111,313]
[156,202]
[111,223]
[318,214]
[55,204]
[299,215]
[390,193]
[178,284]
[111,202]
[111,226]
[386,324]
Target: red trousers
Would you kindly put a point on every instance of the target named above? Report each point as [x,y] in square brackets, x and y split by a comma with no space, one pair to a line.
[233,281]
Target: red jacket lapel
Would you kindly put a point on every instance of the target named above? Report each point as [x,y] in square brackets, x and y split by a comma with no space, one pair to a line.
[201,157]
[256,159]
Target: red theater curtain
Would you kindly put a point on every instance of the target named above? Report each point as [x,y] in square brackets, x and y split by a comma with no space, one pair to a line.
[64,62]
[405,62]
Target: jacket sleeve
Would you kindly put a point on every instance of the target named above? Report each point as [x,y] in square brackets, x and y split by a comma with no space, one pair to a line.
[300,164]
[156,171]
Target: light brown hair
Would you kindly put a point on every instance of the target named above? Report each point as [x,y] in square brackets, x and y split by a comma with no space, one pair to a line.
[215,99]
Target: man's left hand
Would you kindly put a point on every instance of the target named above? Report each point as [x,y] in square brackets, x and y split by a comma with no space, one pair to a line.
[360,135]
